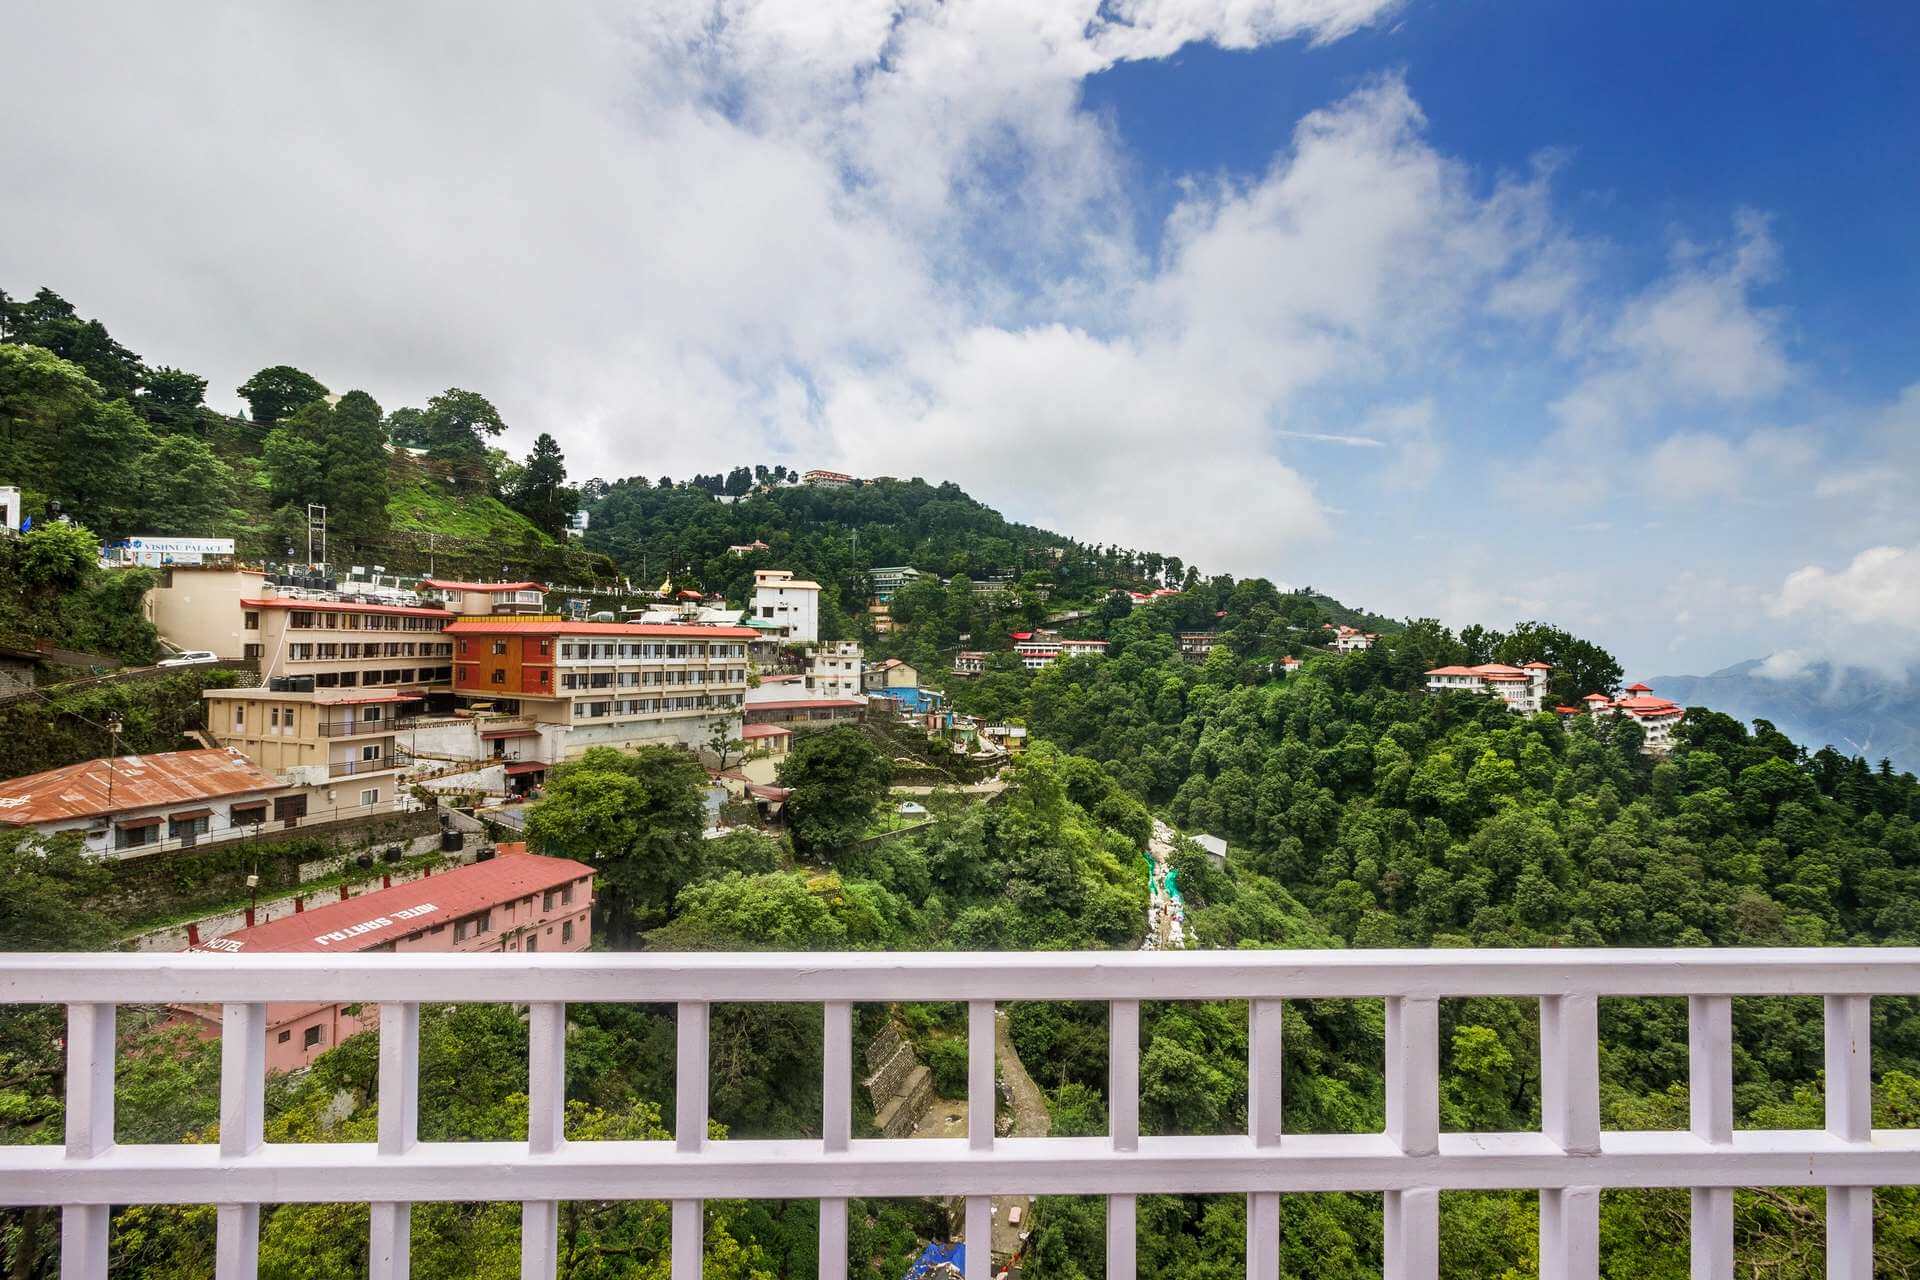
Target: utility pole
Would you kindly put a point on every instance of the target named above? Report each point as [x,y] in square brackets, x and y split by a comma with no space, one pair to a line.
[115,726]
[316,528]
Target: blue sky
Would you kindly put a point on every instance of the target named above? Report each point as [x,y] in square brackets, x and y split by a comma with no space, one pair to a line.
[1595,313]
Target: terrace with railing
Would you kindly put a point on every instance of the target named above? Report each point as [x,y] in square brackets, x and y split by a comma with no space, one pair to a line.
[1569,1161]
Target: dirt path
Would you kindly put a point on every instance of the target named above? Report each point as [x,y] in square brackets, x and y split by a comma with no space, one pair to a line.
[1030,1120]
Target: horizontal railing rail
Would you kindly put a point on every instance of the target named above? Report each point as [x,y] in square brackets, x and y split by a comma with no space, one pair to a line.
[1568,1161]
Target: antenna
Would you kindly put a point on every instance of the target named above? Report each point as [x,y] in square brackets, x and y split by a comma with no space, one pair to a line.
[316,532]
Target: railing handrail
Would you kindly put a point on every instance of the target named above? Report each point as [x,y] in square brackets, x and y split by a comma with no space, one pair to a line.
[802,976]
[1569,1159]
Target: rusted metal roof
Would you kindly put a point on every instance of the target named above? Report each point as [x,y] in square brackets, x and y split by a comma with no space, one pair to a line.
[129,783]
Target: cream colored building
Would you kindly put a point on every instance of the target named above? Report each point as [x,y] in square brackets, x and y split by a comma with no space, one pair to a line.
[196,607]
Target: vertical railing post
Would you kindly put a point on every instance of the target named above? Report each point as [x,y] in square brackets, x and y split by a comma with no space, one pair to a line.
[1710,1113]
[836,1131]
[1570,1117]
[391,1222]
[1264,1128]
[90,1044]
[690,1134]
[1412,1216]
[1849,1058]
[1123,1126]
[982,1101]
[243,1084]
[546,1133]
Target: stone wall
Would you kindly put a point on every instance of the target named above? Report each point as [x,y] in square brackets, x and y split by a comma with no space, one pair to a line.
[899,1086]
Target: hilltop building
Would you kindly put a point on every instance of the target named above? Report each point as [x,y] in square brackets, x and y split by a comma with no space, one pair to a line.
[1656,716]
[891,673]
[1524,688]
[1350,639]
[1041,649]
[487,597]
[970,662]
[1289,665]
[786,607]
[1198,644]
[889,580]
[747,548]
[826,479]
[514,901]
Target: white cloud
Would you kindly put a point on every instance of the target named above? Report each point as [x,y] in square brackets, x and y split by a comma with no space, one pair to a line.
[1865,614]
[1695,466]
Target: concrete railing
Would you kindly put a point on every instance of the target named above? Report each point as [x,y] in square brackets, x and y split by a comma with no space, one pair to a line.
[1569,1160]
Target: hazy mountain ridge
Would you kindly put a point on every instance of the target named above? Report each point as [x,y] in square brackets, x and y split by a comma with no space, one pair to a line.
[1857,711]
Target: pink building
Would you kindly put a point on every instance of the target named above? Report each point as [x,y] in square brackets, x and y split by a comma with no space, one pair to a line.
[514,901]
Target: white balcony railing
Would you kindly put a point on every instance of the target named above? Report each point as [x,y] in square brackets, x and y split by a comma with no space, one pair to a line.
[1569,1161]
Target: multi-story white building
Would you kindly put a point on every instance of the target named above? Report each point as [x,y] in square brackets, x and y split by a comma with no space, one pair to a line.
[970,662]
[791,605]
[1523,688]
[606,683]
[889,580]
[834,669]
[1042,650]
[1656,716]
[1350,639]
[826,479]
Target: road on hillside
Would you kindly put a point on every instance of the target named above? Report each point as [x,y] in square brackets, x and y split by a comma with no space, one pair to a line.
[1030,1120]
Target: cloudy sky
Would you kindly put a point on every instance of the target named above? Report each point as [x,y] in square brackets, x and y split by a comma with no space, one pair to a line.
[1494,309]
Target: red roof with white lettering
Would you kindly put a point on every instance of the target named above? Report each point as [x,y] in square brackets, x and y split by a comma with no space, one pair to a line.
[437,899]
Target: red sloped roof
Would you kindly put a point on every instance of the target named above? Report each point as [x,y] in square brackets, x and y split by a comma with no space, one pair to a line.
[1639,688]
[372,919]
[136,782]
[1453,671]
[765,730]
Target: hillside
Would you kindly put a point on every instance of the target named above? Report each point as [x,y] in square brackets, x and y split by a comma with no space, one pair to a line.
[1856,711]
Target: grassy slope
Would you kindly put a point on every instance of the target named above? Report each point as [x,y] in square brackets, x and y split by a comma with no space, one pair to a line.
[417,506]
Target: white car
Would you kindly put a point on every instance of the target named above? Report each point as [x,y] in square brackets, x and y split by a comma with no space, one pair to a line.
[190,658]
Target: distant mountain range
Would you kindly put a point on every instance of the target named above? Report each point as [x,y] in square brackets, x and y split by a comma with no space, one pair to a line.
[1859,712]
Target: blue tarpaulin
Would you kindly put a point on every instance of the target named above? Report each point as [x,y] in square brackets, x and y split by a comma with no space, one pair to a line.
[935,1254]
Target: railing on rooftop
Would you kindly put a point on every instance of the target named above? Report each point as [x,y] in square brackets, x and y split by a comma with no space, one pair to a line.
[1569,1161]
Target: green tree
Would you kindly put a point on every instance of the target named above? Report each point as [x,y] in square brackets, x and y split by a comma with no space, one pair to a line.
[186,489]
[636,817]
[541,493]
[277,391]
[837,778]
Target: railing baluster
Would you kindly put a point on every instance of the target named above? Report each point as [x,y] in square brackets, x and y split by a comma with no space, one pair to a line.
[981,1100]
[90,1043]
[1264,1085]
[836,1130]
[391,1224]
[1570,1117]
[243,1085]
[546,1133]
[979,1237]
[1710,1107]
[690,1134]
[1123,1126]
[1413,1122]
[1849,1022]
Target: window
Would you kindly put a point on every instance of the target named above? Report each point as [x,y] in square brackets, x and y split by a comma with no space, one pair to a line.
[566,931]
[250,815]
[188,828]
[500,648]
[566,895]
[311,1038]
[239,715]
[285,1036]
[369,797]
[498,676]
[472,926]
[548,898]
[251,651]
[533,943]
[546,646]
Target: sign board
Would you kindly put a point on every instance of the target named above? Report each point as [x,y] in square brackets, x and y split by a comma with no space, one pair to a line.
[165,551]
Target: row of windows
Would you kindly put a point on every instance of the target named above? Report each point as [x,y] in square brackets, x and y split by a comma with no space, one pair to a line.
[307,619]
[309,652]
[391,675]
[651,679]
[611,651]
[652,706]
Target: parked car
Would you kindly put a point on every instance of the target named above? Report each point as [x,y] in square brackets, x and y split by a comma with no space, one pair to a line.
[189,658]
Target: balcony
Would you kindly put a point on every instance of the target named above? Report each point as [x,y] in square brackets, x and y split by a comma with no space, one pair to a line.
[354,729]
[350,768]
[1570,1160]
